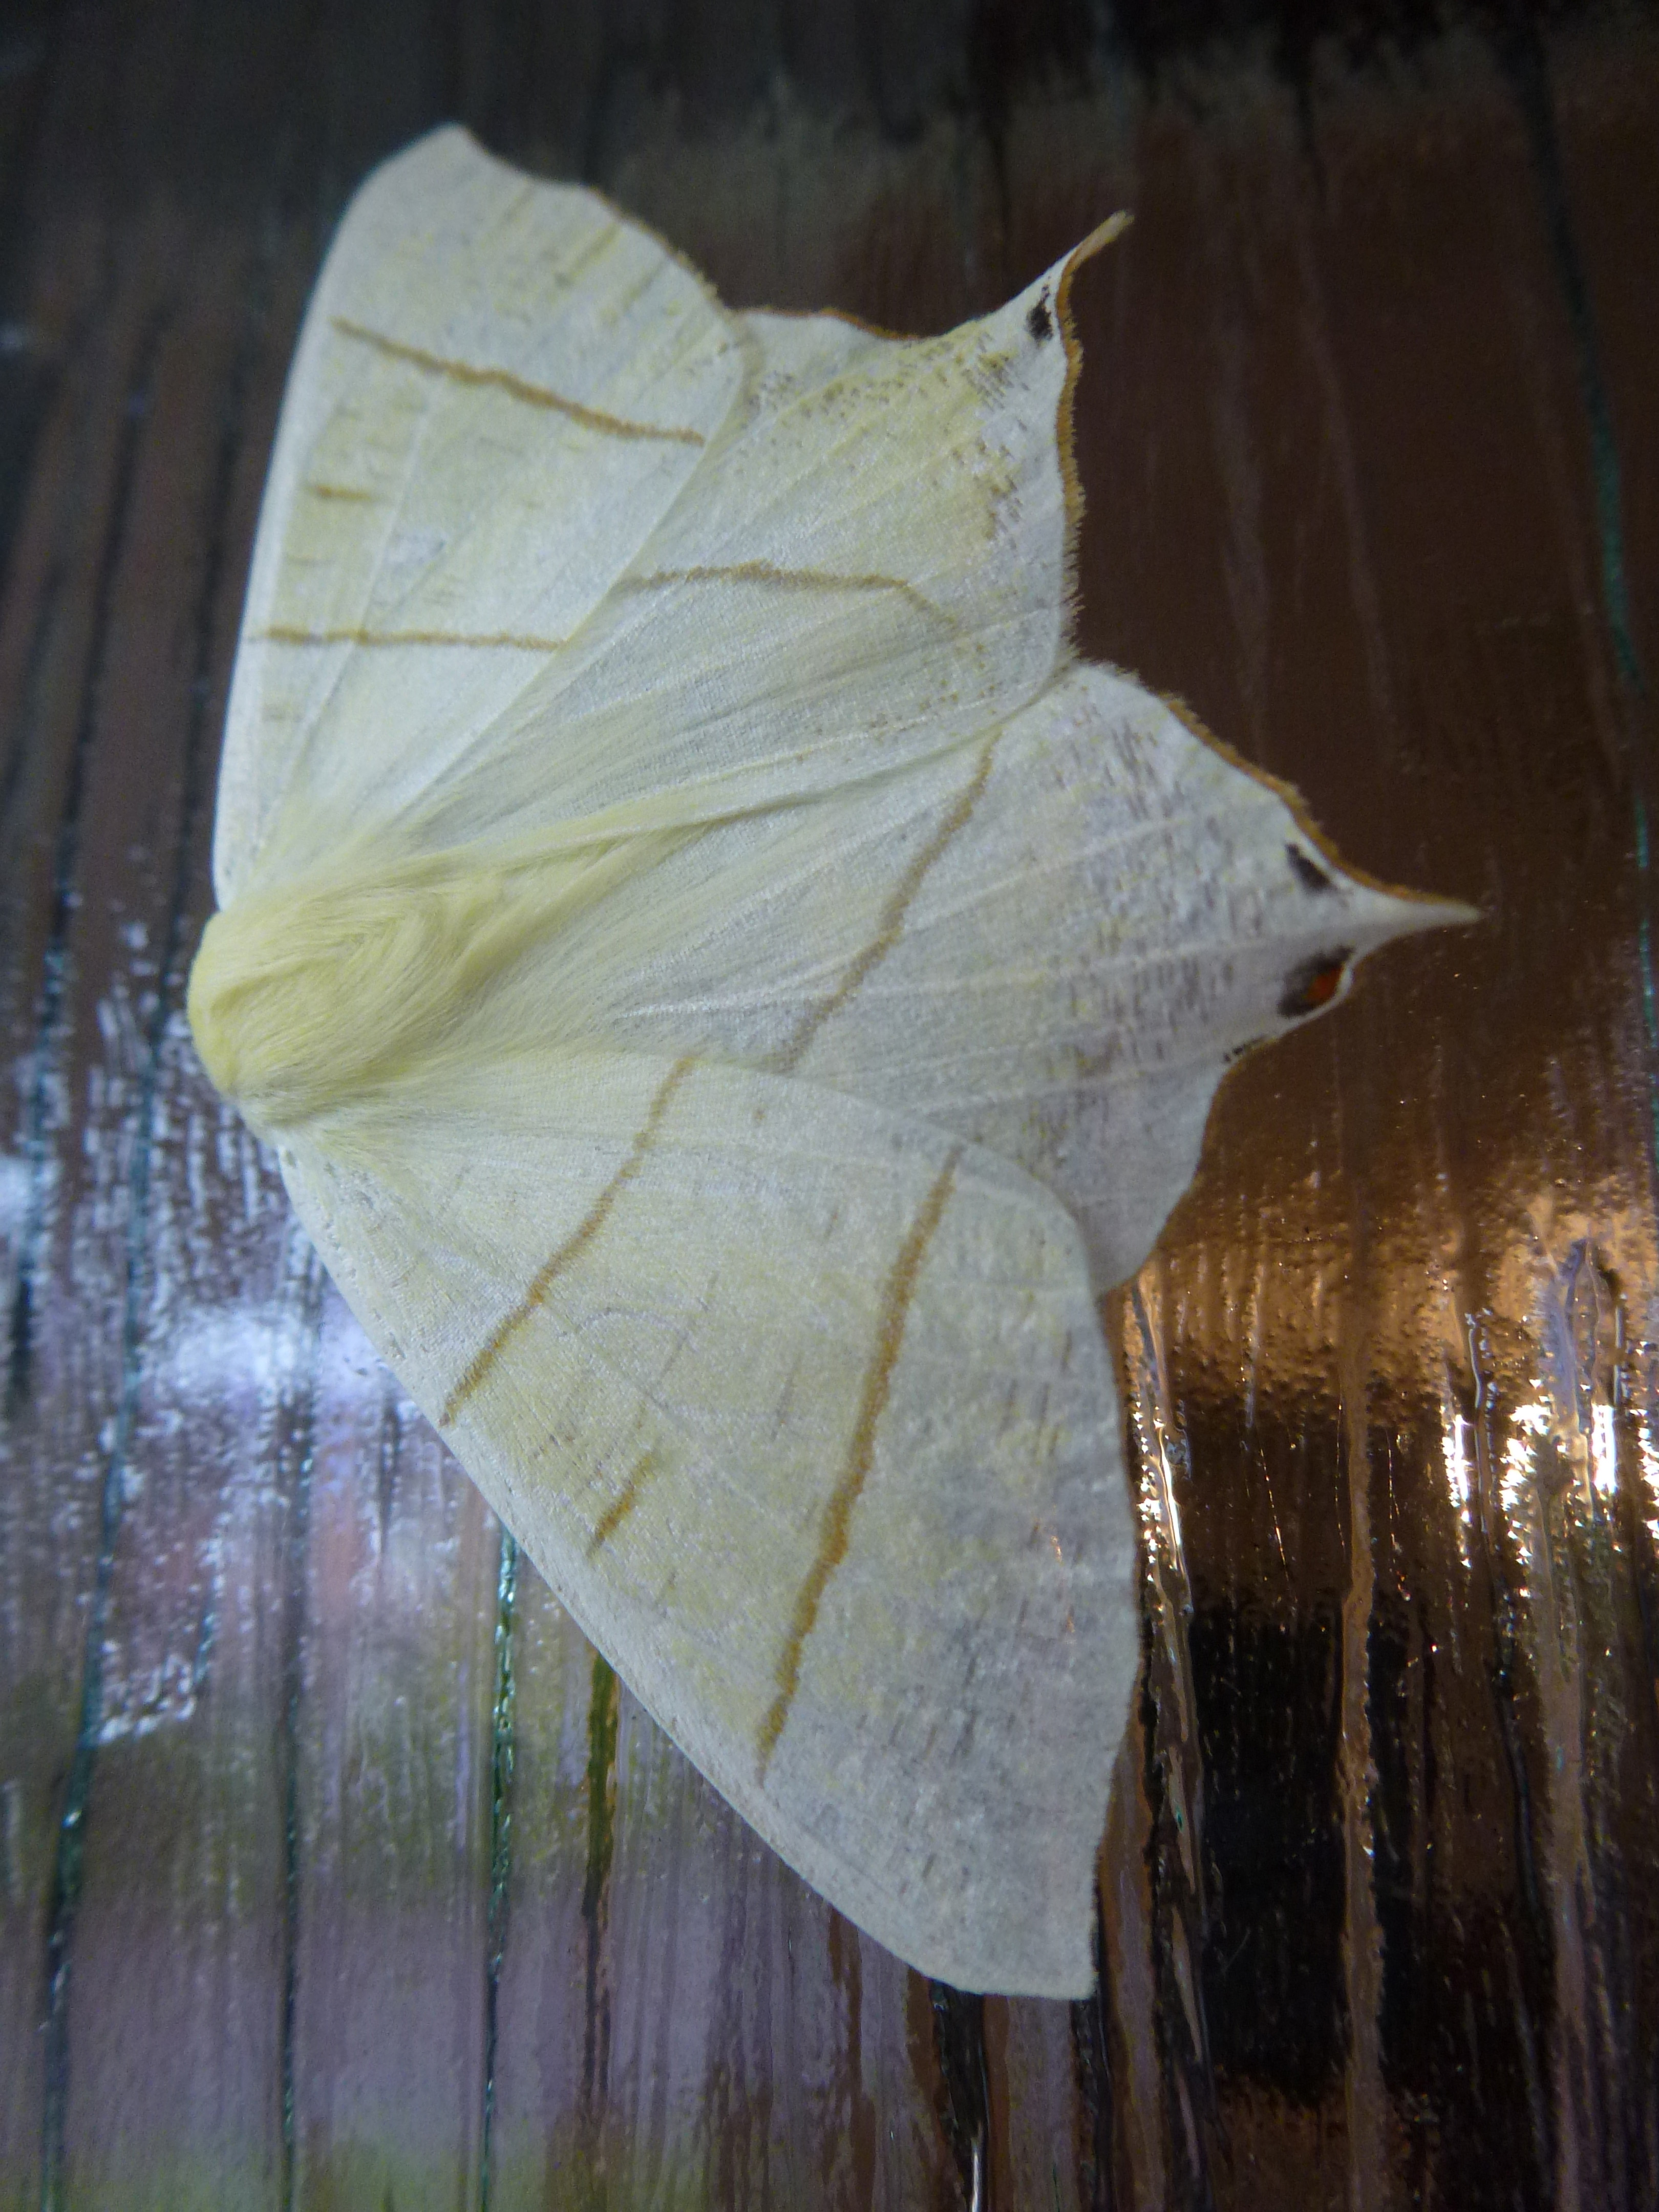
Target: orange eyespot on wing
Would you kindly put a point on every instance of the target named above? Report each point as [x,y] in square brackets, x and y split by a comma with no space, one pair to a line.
[1316,984]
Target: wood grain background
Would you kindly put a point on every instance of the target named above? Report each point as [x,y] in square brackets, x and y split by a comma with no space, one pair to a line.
[335,1870]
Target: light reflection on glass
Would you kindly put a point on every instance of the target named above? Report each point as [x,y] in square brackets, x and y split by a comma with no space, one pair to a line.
[1516,1480]
[1604,1452]
[1457,1438]
[1648,1453]
[1160,1512]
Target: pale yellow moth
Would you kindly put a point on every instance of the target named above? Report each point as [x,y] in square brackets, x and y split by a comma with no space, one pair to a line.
[727,988]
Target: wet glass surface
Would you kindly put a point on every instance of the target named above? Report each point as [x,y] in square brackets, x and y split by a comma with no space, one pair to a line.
[335,1869]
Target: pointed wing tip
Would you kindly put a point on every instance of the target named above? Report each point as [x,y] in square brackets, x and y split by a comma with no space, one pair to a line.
[1102,235]
[1362,920]
[1371,918]
[1381,913]
[1442,913]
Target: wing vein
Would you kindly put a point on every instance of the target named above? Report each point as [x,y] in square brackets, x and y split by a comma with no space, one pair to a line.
[357,634]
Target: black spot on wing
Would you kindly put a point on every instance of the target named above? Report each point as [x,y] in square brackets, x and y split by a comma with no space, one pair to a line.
[1307,873]
[1314,984]
[1040,322]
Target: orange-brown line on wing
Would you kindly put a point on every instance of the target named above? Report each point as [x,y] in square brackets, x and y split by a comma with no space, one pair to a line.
[789,579]
[835,1529]
[571,1248]
[344,492]
[516,388]
[623,1503]
[355,634]
[892,917]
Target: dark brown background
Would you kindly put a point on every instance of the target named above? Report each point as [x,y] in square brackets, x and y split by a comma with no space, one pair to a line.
[334,1871]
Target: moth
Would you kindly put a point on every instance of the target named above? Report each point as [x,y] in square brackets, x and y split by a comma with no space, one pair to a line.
[728,989]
